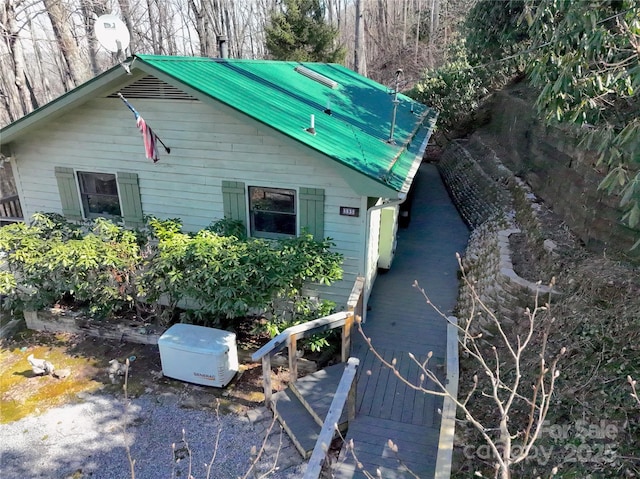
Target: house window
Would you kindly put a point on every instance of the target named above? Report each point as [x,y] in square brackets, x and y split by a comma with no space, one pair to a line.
[99,194]
[272,212]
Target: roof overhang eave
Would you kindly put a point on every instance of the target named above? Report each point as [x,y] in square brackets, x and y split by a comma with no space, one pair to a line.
[417,161]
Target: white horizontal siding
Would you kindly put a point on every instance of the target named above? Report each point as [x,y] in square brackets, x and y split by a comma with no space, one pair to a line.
[207,147]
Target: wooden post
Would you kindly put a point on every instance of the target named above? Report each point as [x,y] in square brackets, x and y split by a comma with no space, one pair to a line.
[266,378]
[293,359]
[354,307]
[346,336]
[351,401]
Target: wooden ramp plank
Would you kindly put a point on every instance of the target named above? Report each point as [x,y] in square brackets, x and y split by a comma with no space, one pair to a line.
[316,391]
[399,322]
[296,420]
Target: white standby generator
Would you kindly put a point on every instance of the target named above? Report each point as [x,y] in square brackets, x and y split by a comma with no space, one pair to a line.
[199,355]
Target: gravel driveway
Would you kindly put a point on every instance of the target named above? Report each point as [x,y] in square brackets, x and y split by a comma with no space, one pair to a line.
[85,440]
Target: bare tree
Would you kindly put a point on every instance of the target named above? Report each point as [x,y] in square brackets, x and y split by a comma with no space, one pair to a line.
[520,413]
[125,11]
[433,28]
[19,90]
[203,28]
[90,10]
[62,24]
[359,64]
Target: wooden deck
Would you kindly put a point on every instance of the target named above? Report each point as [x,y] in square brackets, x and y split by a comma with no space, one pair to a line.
[400,322]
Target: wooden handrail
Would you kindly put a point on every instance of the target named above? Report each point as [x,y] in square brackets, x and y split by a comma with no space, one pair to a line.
[345,394]
[289,337]
[301,331]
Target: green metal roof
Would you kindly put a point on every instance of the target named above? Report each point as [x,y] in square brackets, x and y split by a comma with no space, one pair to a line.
[274,93]
[355,134]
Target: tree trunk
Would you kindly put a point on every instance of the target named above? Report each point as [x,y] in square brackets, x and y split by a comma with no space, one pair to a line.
[7,95]
[418,30]
[229,31]
[168,21]
[164,33]
[61,25]
[404,22]
[11,31]
[201,27]
[152,29]
[125,10]
[382,22]
[433,28]
[32,94]
[357,53]
[89,8]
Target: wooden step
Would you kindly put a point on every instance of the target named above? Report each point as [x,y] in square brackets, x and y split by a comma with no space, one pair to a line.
[296,421]
[316,391]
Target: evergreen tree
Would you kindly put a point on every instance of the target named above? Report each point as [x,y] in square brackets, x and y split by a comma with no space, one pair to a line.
[299,33]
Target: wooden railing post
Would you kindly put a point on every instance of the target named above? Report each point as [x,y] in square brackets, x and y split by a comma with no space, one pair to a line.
[354,307]
[293,358]
[289,337]
[266,378]
[351,400]
[346,337]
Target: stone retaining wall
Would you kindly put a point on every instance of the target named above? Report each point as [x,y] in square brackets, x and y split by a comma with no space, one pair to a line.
[563,175]
[477,196]
[496,205]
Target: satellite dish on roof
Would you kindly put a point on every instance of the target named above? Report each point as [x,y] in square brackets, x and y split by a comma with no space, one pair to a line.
[112,33]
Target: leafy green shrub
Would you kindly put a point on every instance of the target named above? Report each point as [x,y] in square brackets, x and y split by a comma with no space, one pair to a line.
[7,282]
[102,266]
[227,277]
[52,259]
[228,227]
[454,89]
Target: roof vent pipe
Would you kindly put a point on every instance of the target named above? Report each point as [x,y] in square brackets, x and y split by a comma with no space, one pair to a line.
[327,110]
[395,107]
[312,127]
[222,46]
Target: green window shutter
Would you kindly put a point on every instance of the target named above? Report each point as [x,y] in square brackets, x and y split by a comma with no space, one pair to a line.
[311,211]
[130,203]
[233,201]
[68,193]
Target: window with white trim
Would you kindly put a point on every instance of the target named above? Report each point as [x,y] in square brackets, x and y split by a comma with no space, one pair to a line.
[272,212]
[99,194]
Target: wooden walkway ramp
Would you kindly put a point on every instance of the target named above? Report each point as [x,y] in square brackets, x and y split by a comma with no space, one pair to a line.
[400,322]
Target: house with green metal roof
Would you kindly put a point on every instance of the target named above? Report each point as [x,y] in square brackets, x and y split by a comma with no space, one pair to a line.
[279,146]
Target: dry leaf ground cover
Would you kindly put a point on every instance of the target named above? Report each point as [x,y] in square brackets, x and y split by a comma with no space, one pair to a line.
[593,425]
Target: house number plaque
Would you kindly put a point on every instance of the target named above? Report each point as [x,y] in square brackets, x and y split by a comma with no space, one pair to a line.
[348,211]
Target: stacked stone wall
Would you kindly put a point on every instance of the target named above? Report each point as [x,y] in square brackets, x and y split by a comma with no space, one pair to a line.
[496,205]
[477,196]
[564,176]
